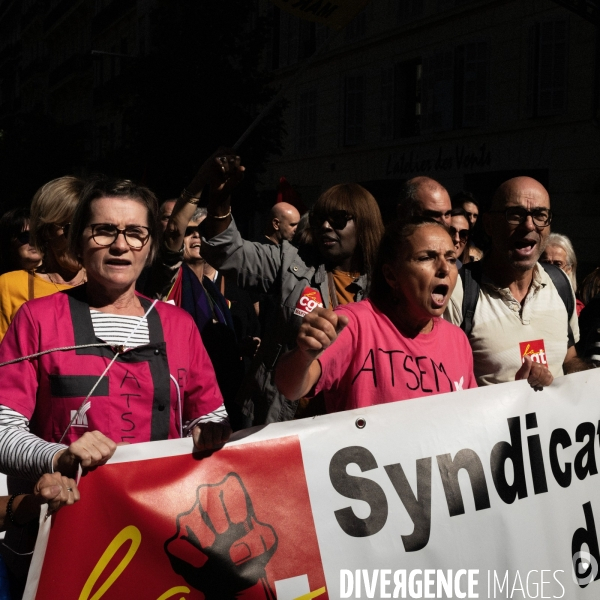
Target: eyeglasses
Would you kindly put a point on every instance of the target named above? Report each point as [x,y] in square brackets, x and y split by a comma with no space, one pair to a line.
[105,234]
[23,237]
[463,234]
[516,215]
[338,219]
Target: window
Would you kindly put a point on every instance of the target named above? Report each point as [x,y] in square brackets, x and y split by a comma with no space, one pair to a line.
[98,68]
[438,86]
[455,88]
[272,44]
[443,4]
[357,28]
[142,34]
[307,39]
[387,104]
[401,100]
[471,85]
[409,9]
[292,39]
[547,69]
[114,62]
[288,39]
[307,121]
[354,110]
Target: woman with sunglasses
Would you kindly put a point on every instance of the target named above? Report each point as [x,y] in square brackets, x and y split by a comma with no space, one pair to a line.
[393,346]
[332,270]
[459,232]
[134,370]
[195,291]
[16,252]
[52,209]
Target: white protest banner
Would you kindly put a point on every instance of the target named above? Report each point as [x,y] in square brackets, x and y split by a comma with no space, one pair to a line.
[488,493]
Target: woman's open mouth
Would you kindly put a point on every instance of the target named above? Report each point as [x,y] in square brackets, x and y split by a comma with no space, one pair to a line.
[439,295]
[118,263]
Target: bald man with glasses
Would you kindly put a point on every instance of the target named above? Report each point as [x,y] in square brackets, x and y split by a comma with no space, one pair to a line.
[518,314]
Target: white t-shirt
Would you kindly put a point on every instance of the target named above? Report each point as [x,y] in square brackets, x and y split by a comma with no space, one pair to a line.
[502,333]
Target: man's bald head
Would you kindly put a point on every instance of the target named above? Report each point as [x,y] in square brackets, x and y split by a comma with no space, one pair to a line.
[519,187]
[426,197]
[283,220]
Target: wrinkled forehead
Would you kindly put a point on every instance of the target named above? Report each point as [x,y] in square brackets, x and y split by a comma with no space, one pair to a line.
[554,251]
[528,196]
[428,236]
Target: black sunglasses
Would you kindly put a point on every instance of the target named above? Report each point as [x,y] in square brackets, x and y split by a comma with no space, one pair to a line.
[191,230]
[463,234]
[23,237]
[337,219]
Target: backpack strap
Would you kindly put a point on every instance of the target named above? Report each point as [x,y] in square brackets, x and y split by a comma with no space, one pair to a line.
[470,274]
[565,291]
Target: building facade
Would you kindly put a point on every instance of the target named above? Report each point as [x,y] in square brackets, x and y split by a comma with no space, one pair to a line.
[68,59]
[469,92]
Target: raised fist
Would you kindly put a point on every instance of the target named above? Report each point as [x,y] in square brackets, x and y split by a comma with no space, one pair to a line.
[220,547]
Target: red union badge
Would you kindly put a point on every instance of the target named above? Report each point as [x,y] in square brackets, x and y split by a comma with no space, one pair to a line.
[535,350]
[309,300]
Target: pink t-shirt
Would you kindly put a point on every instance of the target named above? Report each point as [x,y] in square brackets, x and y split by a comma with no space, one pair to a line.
[371,362]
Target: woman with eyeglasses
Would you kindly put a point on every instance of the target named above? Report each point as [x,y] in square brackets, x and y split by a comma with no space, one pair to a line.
[394,345]
[114,364]
[52,209]
[334,269]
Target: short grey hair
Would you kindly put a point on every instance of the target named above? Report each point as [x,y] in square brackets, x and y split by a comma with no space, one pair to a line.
[562,241]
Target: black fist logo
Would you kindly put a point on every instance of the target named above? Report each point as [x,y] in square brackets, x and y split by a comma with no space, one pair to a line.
[220,547]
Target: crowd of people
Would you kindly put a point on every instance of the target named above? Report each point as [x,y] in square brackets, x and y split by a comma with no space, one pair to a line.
[123,321]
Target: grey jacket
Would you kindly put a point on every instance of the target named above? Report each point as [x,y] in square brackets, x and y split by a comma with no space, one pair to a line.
[285,272]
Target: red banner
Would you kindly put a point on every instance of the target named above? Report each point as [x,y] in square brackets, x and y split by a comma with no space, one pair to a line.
[236,524]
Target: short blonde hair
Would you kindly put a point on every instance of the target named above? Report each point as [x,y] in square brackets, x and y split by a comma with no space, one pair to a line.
[54,202]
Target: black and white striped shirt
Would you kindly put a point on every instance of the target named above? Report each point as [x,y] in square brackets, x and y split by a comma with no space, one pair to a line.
[24,455]
[120,329]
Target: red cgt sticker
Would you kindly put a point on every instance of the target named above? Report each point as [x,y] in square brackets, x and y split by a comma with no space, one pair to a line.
[309,300]
[535,350]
